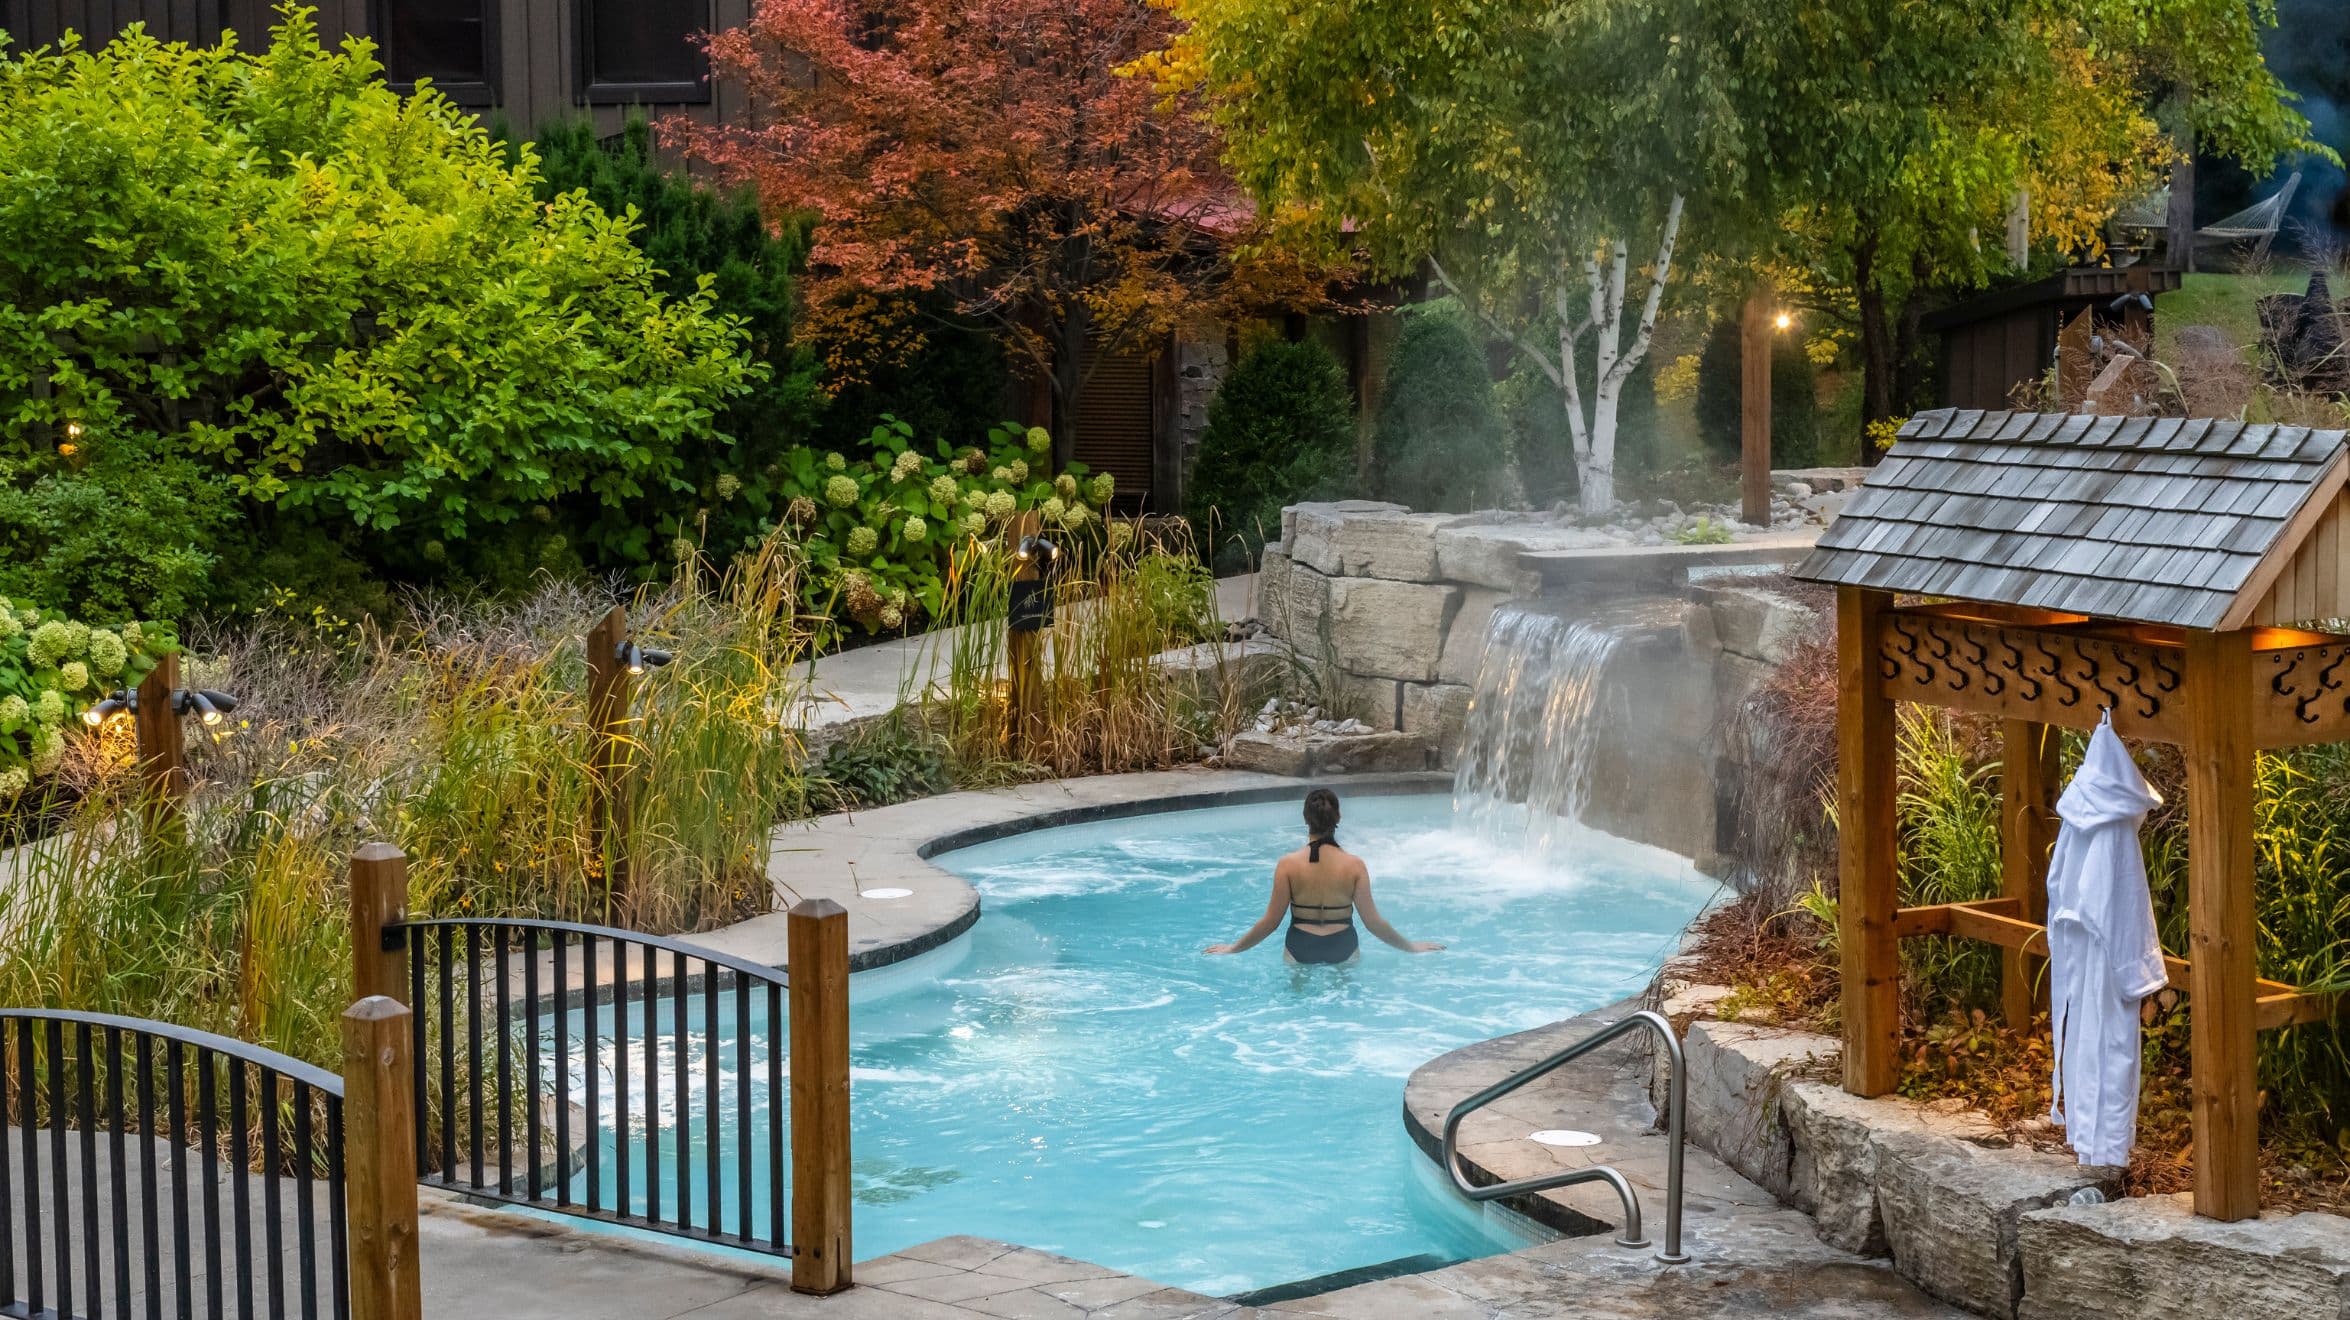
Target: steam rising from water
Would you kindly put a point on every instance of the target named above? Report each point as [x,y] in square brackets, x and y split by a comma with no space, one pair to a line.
[1532,736]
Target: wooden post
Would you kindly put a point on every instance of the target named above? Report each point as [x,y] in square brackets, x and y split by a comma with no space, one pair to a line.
[1754,410]
[379,1161]
[2027,830]
[608,716]
[163,756]
[379,900]
[2220,932]
[1024,653]
[1865,757]
[817,952]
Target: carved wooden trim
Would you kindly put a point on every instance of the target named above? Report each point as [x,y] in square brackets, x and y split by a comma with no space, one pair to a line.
[2014,673]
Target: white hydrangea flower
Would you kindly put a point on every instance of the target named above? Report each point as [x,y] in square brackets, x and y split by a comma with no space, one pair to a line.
[727,484]
[13,781]
[13,709]
[862,541]
[48,750]
[1054,510]
[840,491]
[906,465]
[1065,486]
[49,708]
[892,617]
[1018,472]
[944,489]
[108,653]
[974,524]
[1003,474]
[1121,534]
[51,642]
[1000,504]
[9,627]
[1101,488]
[836,463]
[1039,440]
[73,675]
[915,530]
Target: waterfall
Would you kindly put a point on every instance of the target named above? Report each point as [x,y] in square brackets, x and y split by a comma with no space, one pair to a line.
[1532,735]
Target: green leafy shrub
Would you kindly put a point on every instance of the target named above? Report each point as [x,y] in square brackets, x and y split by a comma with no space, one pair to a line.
[881,530]
[1280,430]
[343,305]
[120,531]
[891,760]
[52,668]
[1440,442]
[725,496]
[1721,389]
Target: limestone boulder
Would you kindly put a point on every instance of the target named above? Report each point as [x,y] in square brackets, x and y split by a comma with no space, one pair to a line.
[2151,1258]
[1248,671]
[1269,754]
[1377,702]
[1832,1175]
[1736,1072]
[1953,1211]
[1438,712]
[1492,555]
[1464,641]
[1369,753]
[1292,601]
[1388,629]
[1758,624]
[1362,538]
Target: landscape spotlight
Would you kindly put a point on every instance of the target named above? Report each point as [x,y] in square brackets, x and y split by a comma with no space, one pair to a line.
[117,702]
[206,704]
[636,658]
[1785,321]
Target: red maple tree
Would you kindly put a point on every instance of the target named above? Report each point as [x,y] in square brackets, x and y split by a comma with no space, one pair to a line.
[996,156]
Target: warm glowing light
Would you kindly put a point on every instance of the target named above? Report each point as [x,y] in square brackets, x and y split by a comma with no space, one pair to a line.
[1784,321]
[73,430]
[69,449]
[92,718]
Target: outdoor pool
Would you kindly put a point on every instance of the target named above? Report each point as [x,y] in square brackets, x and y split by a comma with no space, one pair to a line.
[1075,1076]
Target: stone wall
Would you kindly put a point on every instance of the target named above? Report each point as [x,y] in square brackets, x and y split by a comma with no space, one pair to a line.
[1389,610]
[1969,1215]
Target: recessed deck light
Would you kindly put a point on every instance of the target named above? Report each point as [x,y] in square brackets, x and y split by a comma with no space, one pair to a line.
[1563,1137]
[885,893]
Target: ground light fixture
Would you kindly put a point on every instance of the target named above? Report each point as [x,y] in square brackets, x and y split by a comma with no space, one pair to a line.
[206,704]
[1030,607]
[1783,322]
[636,659]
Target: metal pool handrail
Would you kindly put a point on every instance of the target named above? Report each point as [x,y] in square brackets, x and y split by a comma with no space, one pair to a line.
[1675,1104]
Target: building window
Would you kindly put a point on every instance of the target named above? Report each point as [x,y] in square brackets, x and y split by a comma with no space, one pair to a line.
[644,50]
[452,42]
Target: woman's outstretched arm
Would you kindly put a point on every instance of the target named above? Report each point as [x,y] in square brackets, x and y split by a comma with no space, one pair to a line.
[1378,926]
[1278,904]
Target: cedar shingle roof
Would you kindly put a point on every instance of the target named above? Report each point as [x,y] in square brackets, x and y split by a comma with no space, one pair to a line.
[2156,520]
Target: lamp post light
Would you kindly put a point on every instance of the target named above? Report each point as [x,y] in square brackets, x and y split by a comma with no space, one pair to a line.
[1036,560]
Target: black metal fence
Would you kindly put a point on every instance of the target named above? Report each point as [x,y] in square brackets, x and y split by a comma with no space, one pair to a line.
[150,1170]
[601,1073]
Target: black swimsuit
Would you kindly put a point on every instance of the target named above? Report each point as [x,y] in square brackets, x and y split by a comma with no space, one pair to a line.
[1307,947]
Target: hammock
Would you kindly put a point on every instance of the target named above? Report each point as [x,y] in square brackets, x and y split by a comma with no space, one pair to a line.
[2256,224]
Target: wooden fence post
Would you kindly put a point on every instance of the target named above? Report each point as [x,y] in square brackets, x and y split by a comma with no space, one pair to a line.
[817,949]
[608,707]
[379,901]
[1754,411]
[379,1162]
[163,757]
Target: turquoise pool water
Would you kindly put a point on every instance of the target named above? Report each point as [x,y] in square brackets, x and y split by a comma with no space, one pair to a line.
[1075,1076]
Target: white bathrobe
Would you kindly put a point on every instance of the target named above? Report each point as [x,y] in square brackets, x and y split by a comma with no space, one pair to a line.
[2103,955]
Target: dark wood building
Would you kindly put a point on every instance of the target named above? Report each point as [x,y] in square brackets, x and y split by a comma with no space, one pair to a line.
[533,60]
[2001,340]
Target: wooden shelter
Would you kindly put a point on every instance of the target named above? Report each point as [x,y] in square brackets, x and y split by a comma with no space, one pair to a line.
[2043,569]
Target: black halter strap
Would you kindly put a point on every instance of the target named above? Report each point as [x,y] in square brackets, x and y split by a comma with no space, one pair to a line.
[1314,847]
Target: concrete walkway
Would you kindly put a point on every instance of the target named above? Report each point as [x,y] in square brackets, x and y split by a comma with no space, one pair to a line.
[870,681]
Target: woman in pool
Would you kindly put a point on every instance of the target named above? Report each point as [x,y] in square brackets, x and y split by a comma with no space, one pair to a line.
[1322,886]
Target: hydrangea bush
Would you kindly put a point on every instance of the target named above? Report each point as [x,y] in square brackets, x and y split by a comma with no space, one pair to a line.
[881,531]
[52,668]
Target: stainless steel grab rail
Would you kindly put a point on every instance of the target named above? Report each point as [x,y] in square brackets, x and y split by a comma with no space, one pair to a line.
[1676,1101]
